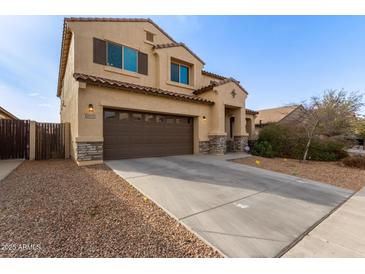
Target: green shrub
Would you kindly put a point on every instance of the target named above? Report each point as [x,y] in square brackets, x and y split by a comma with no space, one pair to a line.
[290,142]
[325,150]
[264,149]
[354,161]
[283,140]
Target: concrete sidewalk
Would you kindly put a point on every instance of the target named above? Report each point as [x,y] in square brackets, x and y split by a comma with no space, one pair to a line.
[341,235]
[7,166]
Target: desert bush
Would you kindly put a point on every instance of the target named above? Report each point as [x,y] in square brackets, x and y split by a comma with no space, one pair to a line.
[284,140]
[263,148]
[354,161]
[326,150]
[289,142]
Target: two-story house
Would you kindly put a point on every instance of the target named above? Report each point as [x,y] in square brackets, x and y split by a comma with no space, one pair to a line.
[130,90]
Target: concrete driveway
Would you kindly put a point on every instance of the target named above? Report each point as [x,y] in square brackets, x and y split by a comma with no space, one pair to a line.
[242,211]
[7,166]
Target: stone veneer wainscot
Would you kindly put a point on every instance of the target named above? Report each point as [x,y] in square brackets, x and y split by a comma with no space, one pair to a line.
[217,144]
[239,143]
[89,151]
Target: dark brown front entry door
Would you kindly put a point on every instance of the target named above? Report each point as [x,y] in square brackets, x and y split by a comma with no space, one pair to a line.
[129,134]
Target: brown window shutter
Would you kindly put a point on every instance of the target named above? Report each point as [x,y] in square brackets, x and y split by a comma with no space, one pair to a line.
[99,51]
[142,63]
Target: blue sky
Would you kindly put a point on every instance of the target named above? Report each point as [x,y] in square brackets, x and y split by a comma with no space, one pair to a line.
[278,59]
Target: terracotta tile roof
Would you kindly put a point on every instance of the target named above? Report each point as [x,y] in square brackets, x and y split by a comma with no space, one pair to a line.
[174,44]
[99,81]
[214,75]
[273,115]
[251,112]
[216,84]
[104,19]
[66,39]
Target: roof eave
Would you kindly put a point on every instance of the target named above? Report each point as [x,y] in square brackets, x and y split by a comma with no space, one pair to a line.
[65,46]
[212,86]
[99,81]
[8,114]
[185,47]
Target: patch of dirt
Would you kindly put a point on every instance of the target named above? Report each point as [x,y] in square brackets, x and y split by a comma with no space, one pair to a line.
[327,172]
[57,209]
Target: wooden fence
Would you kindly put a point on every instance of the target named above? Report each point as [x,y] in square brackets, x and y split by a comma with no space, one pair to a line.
[23,139]
[49,141]
[14,139]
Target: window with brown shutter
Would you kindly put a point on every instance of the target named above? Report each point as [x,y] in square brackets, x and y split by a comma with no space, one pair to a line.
[99,51]
[142,63]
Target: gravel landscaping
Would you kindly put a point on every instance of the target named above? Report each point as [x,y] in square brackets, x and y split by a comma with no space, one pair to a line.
[57,209]
[327,172]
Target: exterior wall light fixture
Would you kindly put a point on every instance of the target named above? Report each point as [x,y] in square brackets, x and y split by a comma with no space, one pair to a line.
[91,108]
[204,118]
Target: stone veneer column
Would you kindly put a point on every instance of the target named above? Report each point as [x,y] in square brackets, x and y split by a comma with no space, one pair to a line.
[239,143]
[217,144]
[89,151]
[204,147]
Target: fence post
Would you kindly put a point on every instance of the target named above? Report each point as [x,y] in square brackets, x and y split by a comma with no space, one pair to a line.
[67,140]
[32,140]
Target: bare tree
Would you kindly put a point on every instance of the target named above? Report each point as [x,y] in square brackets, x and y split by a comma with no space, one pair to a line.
[330,115]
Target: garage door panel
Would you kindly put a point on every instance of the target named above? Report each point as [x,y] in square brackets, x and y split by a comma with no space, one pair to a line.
[132,134]
[153,151]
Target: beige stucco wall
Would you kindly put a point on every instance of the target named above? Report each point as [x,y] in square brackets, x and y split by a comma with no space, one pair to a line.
[223,99]
[133,35]
[206,80]
[92,129]
[180,54]
[69,99]
[251,125]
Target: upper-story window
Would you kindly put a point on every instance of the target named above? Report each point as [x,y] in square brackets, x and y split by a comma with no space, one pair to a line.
[119,56]
[180,73]
[114,55]
[130,59]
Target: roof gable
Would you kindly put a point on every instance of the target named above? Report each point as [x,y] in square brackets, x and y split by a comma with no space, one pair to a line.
[8,114]
[66,38]
[214,84]
[274,115]
[171,45]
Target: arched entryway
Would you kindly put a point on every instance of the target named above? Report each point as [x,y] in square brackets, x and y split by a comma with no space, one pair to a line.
[249,126]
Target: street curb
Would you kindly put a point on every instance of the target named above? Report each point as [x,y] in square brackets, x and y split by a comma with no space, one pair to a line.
[312,227]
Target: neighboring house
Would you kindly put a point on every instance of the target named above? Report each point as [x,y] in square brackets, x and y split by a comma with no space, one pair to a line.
[4,114]
[281,115]
[130,90]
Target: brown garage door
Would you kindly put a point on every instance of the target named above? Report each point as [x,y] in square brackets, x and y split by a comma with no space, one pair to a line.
[130,134]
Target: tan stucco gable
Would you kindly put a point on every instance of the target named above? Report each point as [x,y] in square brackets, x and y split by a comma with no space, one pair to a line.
[182,45]
[215,84]
[68,32]
[275,115]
